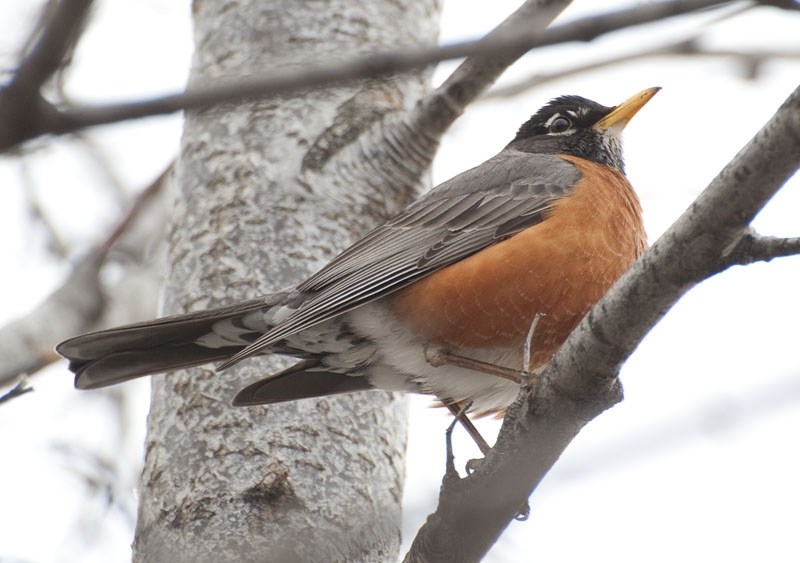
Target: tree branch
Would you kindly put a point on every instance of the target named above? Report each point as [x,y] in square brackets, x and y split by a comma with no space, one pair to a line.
[456,92]
[752,247]
[581,380]
[752,61]
[139,203]
[61,24]
[26,344]
[508,42]
[437,111]
[24,113]
[405,143]
[18,390]
[38,211]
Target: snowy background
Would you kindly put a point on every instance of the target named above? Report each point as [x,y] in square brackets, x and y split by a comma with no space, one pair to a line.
[700,462]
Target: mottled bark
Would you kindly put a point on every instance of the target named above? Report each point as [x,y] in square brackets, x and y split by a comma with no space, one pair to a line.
[261,202]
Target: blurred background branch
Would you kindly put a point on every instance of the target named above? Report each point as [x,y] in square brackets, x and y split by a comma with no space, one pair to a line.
[26,343]
[17,390]
[19,123]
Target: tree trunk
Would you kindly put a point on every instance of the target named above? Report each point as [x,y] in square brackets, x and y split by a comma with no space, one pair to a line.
[260,203]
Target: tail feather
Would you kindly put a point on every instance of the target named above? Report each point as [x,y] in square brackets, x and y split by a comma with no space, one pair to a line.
[146,334]
[110,356]
[121,366]
[118,354]
[303,380]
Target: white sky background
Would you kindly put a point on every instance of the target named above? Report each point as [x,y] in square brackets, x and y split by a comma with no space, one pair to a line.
[700,462]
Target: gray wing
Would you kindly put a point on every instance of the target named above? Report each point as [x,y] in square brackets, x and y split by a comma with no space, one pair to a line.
[493,201]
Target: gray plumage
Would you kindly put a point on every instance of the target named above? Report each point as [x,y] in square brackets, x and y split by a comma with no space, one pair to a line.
[506,194]
[495,200]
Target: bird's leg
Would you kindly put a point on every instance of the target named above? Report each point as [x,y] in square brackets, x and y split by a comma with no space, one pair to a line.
[526,375]
[460,413]
[450,466]
[437,357]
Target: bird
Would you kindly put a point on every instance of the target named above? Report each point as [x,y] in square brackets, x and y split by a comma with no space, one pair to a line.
[486,271]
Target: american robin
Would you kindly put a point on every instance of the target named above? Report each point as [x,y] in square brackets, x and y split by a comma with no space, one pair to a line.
[532,237]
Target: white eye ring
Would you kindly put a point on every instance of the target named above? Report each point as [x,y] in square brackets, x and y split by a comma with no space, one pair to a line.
[560,124]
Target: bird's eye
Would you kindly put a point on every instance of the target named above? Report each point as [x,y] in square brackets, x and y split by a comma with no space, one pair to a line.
[560,124]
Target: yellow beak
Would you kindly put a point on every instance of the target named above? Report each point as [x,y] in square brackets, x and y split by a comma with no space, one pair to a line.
[622,114]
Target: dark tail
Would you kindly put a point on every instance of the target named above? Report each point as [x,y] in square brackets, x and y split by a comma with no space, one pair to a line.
[118,354]
[302,380]
[111,356]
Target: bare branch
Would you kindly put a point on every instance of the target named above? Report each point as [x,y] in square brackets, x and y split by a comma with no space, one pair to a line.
[581,380]
[58,32]
[752,61]
[38,211]
[24,113]
[681,47]
[141,201]
[456,93]
[18,390]
[479,71]
[26,344]
[503,47]
[104,165]
[752,247]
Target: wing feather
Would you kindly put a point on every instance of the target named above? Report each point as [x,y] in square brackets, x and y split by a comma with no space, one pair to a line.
[495,200]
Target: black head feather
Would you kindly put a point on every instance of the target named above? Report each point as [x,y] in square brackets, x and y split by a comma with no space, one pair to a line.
[565,125]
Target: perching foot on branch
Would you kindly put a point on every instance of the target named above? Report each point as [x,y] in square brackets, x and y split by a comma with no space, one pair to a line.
[438,357]
[459,413]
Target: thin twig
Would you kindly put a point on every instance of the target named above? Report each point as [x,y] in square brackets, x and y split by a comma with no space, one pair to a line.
[26,344]
[516,36]
[24,113]
[53,38]
[752,247]
[678,47]
[685,48]
[314,76]
[38,211]
[104,165]
[526,351]
[20,389]
[138,205]
[437,111]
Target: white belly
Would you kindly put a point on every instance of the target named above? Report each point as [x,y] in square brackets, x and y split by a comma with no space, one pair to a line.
[400,364]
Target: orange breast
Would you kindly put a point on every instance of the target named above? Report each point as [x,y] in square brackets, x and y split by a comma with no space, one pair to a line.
[558,268]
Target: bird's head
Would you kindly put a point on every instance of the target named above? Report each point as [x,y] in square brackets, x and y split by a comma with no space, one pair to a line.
[576,126]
